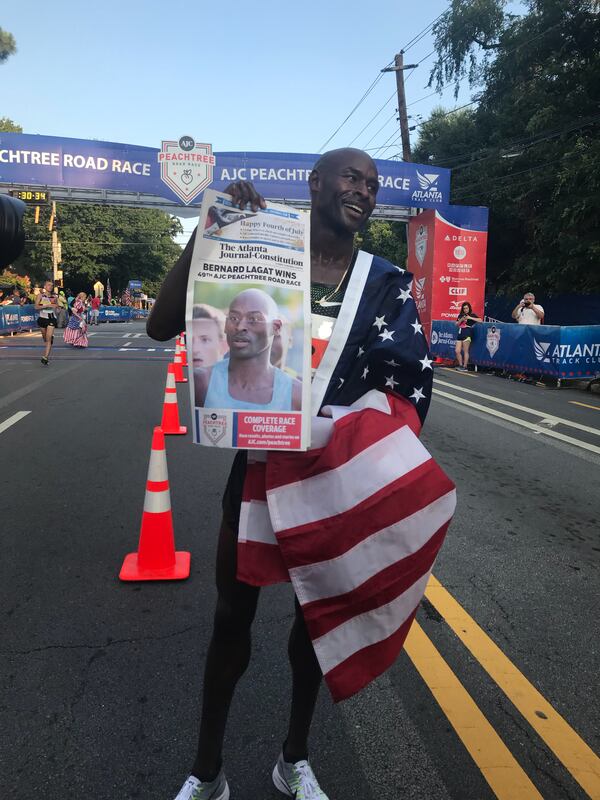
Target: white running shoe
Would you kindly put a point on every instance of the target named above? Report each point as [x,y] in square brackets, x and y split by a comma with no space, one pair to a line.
[297,780]
[194,789]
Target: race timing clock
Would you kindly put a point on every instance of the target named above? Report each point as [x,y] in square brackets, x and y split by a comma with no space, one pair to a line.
[33,196]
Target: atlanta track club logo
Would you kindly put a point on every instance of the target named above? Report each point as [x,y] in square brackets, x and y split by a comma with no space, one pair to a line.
[421,243]
[541,351]
[186,167]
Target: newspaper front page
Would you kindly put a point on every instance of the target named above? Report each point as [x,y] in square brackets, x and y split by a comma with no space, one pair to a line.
[248,326]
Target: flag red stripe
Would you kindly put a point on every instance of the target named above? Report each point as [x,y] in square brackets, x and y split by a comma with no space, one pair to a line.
[254,483]
[324,615]
[308,544]
[260,564]
[363,666]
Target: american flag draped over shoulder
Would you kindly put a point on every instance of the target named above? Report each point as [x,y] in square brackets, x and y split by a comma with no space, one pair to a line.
[356,522]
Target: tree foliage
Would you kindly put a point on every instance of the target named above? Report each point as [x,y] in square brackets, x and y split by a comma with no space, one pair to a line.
[102,241]
[385,239]
[8,126]
[8,46]
[528,147]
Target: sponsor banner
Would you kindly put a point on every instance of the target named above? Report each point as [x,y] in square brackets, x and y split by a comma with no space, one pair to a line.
[559,352]
[447,255]
[14,319]
[182,168]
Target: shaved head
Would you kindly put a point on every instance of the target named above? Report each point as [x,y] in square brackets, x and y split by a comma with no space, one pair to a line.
[333,159]
[257,300]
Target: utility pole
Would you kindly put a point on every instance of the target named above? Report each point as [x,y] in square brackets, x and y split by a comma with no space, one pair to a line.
[398,68]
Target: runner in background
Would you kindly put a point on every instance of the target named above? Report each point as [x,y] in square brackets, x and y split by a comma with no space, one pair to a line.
[46,304]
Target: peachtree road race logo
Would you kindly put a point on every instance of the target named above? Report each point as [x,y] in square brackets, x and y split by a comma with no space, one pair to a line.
[421,243]
[460,252]
[214,426]
[429,190]
[492,341]
[566,353]
[186,167]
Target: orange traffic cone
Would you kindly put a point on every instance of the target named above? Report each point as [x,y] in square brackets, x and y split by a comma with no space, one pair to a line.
[169,423]
[183,351]
[156,558]
[179,376]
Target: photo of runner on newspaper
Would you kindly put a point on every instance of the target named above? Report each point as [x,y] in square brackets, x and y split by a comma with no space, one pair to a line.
[246,378]
[219,217]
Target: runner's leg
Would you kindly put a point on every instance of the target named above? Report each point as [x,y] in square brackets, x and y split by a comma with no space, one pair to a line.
[228,654]
[48,340]
[306,680]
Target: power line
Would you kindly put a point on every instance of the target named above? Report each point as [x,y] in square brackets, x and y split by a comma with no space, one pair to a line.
[390,98]
[417,38]
[365,95]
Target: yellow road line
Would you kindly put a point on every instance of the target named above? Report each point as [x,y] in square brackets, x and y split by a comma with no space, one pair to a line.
[506,777]
[565,743]
[585,405]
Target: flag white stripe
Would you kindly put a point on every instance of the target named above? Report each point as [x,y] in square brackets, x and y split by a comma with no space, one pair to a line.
[338,490]
[255,523]
[372,555]
[369,628]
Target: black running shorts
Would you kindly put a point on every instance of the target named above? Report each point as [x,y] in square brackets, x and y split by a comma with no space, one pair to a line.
[45,322]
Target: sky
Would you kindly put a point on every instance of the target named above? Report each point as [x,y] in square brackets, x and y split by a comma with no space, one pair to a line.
[258,76]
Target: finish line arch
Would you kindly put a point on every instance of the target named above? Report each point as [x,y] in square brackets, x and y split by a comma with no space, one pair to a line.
[90,171]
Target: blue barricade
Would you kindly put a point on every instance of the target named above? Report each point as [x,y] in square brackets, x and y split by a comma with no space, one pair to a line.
[14,319]
[560,352]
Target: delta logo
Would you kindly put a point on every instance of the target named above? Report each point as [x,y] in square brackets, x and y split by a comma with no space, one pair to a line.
[429,190]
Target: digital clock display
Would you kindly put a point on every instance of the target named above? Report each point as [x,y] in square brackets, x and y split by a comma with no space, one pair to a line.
[32,195]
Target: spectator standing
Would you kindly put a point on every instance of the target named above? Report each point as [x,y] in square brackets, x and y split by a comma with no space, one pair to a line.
[62,312]
[526,312]
[95,310]
[76,333]
[465,323]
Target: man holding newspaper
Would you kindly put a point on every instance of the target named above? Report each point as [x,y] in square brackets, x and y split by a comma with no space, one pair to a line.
[355,522]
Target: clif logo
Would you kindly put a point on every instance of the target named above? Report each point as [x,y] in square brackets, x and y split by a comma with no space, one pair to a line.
[457,291]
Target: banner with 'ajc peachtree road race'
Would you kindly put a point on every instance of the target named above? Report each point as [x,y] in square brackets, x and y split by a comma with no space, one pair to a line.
[248,326]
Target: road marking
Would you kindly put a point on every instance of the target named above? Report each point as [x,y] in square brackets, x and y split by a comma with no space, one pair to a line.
[126,345]
[459,372]
[506,777]
[585,405]
[125,350]
[152,349]
[18,393]
[532,426]
[137,335]
[11,420]
[126,335]
[519,407]
[578,758]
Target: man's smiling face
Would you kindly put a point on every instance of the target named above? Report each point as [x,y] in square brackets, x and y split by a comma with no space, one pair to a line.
[344,189]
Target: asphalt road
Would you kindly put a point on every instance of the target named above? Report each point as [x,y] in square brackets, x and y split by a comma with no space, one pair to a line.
[100,679]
